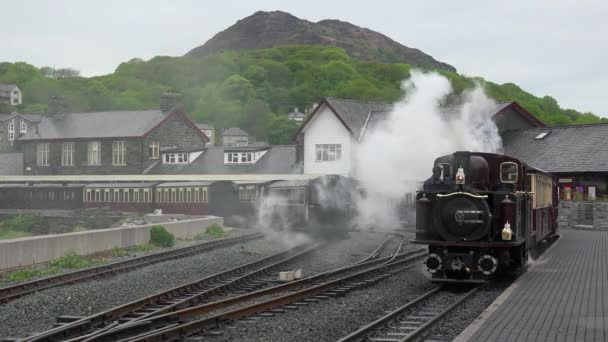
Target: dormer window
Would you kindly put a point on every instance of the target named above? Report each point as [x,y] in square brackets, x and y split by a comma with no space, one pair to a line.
[175,158]
[22,126]
[243,157]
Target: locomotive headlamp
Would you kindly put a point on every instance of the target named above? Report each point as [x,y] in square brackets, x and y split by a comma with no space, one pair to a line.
[460,176]
[507,233]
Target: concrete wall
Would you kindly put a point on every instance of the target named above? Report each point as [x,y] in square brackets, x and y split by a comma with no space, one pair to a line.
[38,249]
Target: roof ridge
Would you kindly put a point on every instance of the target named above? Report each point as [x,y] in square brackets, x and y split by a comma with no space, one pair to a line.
[545,128]
[357,101]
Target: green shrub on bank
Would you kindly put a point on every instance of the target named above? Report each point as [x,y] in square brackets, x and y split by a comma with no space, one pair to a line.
[71,260]
[215,230]
[21,223]
[159,236]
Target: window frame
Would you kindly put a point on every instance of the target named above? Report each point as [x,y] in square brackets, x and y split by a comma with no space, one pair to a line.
[11,130]
[94,153]
[154,150]
[43,151]
[328,152]
[67,153]
[119,152]
[516,172]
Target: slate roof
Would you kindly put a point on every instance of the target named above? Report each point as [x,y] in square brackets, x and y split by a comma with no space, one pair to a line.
[234,131]
[11,164]
[7,87]
[580,148]
[280,159]
[96,125]
[354,113]
[31,117]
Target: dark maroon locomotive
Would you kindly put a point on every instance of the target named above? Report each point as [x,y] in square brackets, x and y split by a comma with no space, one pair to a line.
[481,213]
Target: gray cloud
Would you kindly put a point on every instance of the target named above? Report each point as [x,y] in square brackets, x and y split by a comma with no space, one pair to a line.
[547,47]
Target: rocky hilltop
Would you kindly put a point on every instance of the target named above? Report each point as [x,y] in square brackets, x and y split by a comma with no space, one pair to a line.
[268,29]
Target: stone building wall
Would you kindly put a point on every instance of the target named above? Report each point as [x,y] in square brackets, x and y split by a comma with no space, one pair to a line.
[585,214]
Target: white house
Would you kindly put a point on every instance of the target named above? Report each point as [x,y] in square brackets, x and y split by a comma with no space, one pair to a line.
[10,94]
[329,136]
[327,140]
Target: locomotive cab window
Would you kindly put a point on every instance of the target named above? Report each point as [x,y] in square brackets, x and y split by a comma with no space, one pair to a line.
[508,172]
[446,171]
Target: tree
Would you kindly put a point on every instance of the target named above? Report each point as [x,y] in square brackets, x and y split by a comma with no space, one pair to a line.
[281,130]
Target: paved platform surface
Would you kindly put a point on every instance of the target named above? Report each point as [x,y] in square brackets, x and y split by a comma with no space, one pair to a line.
[562,297]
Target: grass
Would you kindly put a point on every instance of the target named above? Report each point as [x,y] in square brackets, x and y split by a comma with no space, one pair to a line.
[215,231]
[6,234]
[70,261]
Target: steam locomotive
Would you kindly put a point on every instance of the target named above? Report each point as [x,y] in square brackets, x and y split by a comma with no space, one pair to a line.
[480,214]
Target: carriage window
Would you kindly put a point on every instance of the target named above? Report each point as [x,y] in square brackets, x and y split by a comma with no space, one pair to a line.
[204,190]
[508,172]
[146,195]
[97,195]
[126,195]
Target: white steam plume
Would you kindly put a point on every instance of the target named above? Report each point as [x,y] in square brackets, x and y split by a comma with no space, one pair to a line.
[275,222]
[399,152]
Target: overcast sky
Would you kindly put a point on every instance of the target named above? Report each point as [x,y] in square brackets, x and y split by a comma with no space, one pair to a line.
[552,47]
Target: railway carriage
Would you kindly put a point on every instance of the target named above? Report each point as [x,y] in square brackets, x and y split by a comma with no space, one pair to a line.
[190,198]
[41,196]
[128,197]
[481,214]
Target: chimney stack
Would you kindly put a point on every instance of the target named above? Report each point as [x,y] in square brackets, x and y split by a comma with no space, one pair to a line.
[57,105]
[168,101]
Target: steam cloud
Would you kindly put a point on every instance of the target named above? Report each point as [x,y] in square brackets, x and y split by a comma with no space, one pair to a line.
[273,220]
[399,152]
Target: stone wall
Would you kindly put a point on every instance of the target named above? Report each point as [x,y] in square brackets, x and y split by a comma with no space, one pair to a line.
[590,215]
[38,249]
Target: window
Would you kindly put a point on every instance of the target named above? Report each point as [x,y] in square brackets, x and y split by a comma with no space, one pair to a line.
[328,152]
[154,151]
[43,154]
[11,130]
[22,126]
[1,132]
[175,158]
[147,195]
[67,154]
[118,153]
[508,172]
[94,153]
[542,135]
[232,157]
[247,193]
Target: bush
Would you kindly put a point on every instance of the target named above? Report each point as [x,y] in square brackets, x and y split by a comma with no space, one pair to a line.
[21,222]
[159,236]
[215,230]
[71,260]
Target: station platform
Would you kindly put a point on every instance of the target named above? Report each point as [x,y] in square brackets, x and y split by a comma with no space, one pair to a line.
[562,297]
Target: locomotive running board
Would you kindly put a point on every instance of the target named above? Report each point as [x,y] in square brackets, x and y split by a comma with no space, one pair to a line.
[462,193]
[462,281]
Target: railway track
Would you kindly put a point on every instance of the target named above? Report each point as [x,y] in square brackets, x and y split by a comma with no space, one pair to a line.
[204,319]
[410,321]
[12,292]
[237,280]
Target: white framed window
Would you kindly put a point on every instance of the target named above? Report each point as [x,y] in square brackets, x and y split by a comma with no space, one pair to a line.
[175,158]
[22,126]
[43,151]
[1,132]
[94,153]
[119,150]
[328,152]
[154,150]
[11,130]
[67,154]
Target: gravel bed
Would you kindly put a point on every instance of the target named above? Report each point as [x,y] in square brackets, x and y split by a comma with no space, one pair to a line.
[340,253]
[333,318]
[37,312]
[456,321]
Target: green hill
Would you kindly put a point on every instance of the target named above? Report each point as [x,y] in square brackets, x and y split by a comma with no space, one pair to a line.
[253,89]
